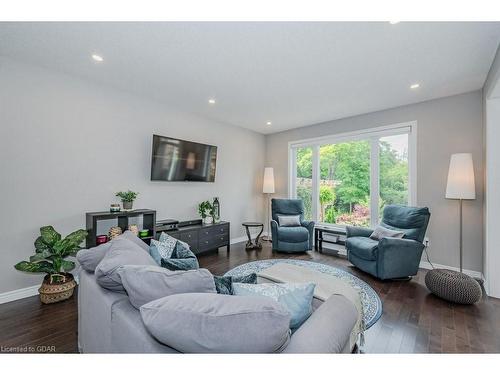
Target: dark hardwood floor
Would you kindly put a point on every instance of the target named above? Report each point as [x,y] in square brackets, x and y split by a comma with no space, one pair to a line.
[413,320]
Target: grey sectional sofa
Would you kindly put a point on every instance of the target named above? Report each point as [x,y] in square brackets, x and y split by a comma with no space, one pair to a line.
[108,323]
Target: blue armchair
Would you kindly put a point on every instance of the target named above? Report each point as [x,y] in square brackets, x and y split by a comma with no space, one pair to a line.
[290,239]
[390,258]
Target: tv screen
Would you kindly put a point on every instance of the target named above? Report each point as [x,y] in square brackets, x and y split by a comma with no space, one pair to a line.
[178,160]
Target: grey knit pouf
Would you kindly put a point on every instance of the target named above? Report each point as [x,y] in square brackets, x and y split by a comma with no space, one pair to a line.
[453,286]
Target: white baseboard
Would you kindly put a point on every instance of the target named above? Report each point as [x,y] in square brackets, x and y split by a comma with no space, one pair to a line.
[238,240]
[474,274]
[14,295]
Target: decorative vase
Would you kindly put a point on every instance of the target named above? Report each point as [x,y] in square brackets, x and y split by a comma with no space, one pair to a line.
[114,232]
[134,229]
[53,291]
[127,205]
[207,220]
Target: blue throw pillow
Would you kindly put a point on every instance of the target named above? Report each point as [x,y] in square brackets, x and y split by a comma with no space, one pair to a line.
[182,258]
[161,250]
[296,298]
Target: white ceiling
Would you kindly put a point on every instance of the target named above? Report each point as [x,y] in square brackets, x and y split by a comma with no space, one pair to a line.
[293,74]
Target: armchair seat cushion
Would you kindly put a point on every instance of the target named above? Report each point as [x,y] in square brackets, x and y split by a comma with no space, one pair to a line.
[293,234]
[362,247]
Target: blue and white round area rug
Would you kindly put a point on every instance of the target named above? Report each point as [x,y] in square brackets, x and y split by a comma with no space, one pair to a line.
[372,305]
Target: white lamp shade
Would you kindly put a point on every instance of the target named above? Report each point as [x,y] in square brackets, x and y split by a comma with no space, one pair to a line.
[268,185]
[461,177]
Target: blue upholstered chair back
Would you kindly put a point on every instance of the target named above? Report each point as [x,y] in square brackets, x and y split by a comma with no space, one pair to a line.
[411,220]
[287,207]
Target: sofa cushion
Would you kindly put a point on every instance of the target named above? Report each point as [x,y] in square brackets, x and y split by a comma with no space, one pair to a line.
[362,247]
[293,234]
[182,258]
[121,253]
[144,284]
[382,232]
[296,298]
[133,237]
[411,220]
[90,258]
[217,323]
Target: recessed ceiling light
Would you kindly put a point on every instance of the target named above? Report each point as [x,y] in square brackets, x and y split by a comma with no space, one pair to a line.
[97,58]
[394,22]
[211,101]
[269,123]
[415,86]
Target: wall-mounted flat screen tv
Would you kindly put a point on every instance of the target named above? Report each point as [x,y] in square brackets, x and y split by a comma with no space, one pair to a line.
[178,160]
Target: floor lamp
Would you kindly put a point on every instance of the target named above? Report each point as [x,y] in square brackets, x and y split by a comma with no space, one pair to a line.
[268,189]
[461,185]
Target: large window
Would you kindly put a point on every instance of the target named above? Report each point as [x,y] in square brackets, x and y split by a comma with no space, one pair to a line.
[348,179]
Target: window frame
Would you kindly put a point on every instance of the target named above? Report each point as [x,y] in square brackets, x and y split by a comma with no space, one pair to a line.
[373,135]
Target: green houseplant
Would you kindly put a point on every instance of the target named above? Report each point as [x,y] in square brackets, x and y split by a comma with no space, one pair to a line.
[205,210]
[51,251]
[128,198]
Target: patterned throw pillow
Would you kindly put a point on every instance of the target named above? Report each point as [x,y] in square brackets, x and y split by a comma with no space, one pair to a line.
[182,258]
[296,298]
[224,284]
[160,250]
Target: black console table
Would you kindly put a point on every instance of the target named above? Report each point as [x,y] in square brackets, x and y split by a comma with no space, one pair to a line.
[201,237]
[122,221]
[337,236]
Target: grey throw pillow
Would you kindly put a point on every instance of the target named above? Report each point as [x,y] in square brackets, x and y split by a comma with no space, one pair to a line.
[90,258]
[133,237]
[144,284]
[121,253]
[381,232]
[289,220]
[216,323]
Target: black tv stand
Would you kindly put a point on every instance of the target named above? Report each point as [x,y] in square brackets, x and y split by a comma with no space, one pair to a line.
[202,238]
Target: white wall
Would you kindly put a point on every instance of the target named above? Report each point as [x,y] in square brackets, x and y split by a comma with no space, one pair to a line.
[491,97]
[67,146]
[445,126]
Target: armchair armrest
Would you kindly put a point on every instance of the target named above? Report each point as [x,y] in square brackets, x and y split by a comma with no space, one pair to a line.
[309,225]
[274,234]
[358,231]
[398,257]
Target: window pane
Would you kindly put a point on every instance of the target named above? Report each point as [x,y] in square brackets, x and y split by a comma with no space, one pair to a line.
[304,179]
[393,171]
[344,194]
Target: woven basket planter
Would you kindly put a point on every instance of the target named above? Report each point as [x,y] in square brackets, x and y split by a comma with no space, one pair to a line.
[52,292]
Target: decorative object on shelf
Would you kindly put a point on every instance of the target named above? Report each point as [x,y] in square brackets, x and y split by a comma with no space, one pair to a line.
[101,239]
[451,285]
[128,198]
[114,207]
[216,210]
[268,189]
[50,256]
[143,233]
[114,232]
[205,210]
[250,245]
[134,229]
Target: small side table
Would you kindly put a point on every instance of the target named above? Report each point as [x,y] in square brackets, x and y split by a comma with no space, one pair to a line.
[250,245]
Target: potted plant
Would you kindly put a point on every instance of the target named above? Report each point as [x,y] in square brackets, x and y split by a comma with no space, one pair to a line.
[128,198]
[205,210]
[51,251]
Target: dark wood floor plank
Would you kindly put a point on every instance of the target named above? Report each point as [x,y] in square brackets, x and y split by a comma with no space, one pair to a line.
[413,320]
